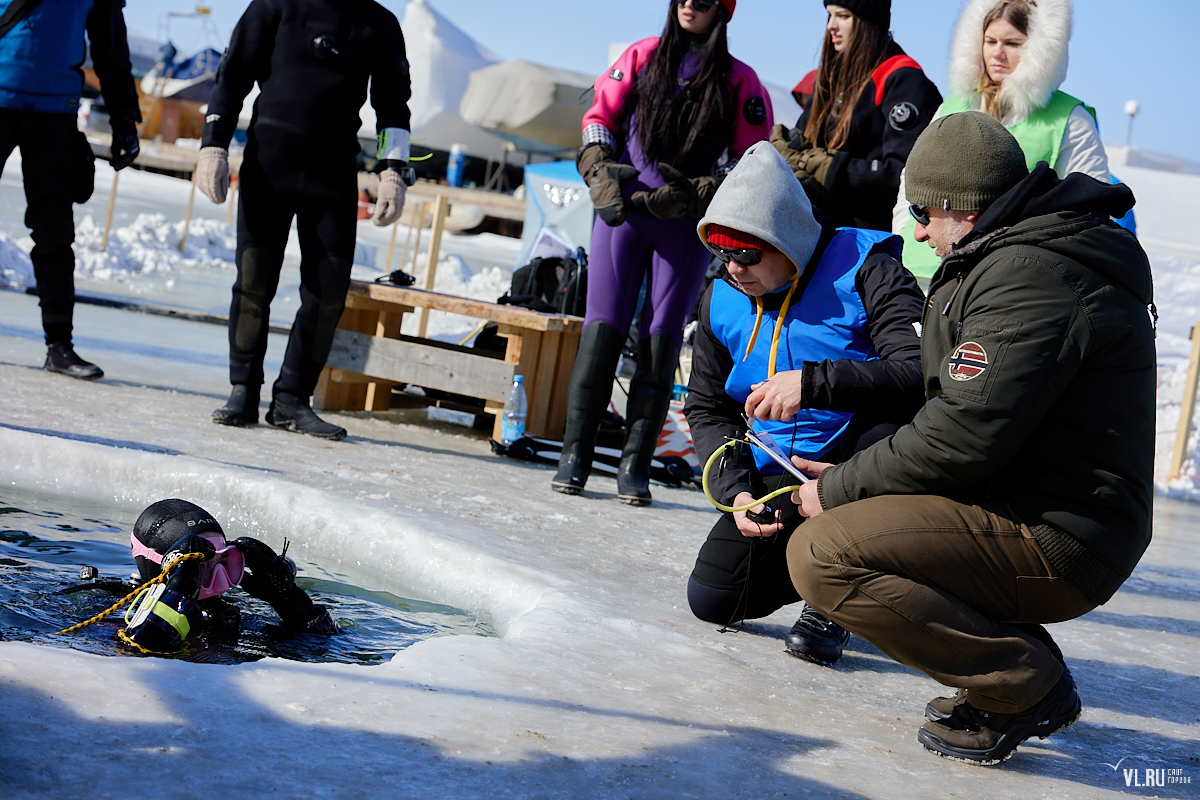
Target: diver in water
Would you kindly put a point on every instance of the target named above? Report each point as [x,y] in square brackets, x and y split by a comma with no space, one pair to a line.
[191,598]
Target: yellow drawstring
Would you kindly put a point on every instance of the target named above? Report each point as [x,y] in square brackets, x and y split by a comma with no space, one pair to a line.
[758,303]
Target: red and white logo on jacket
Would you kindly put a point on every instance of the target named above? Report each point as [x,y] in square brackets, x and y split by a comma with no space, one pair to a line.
[968,361]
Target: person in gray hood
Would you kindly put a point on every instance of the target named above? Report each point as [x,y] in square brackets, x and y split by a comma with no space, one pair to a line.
[808,337]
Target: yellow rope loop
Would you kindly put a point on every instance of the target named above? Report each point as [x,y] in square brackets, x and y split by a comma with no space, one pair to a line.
[162,576]
[734,509]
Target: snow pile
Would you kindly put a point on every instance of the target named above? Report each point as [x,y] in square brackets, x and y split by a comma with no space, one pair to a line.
[151,244]
[15,267]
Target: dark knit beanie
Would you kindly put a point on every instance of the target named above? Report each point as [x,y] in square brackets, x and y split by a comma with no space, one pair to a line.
[733,239]
[877,12]
[963,162]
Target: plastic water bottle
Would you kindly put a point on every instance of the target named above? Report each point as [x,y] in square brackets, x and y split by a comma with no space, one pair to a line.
[513,422]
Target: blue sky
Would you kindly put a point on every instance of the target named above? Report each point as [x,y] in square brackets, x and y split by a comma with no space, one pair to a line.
[1119,51]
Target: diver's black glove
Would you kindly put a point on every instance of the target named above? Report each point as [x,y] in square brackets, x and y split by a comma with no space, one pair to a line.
[125,144]
[272,579]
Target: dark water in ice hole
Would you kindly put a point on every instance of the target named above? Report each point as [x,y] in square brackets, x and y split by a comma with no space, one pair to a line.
[45,539]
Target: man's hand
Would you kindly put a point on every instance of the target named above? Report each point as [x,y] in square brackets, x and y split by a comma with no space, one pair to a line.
[389,201]
[806,497]
[776,398]
[747,526]
[212,173]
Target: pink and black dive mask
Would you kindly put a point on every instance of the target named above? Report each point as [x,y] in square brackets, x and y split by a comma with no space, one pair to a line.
[166,522]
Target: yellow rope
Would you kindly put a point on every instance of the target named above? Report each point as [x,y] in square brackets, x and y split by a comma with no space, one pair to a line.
[734,509]
[162,576]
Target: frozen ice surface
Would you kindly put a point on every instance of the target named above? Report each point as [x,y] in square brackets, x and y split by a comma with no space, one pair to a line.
[600,683]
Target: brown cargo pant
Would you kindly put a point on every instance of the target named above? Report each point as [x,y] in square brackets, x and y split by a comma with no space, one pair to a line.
[935,584]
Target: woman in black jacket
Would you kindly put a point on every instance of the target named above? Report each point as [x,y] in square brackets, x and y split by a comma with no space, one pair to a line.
[869,104]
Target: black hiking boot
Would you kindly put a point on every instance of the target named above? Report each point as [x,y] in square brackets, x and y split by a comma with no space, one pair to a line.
[241,408]
[300,418]
[986,738]
[815,638]
[940,708]
[587,400]
[62,358]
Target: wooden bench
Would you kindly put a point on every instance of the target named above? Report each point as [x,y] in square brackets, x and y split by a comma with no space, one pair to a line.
[370,356]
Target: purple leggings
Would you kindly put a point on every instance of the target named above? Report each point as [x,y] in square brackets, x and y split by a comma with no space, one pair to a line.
[620,257]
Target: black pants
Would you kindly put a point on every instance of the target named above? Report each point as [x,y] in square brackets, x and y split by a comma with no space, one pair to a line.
[46,145]
[738,577]
[324,203]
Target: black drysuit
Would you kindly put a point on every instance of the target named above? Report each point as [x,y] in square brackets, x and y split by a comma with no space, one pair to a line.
[312,60]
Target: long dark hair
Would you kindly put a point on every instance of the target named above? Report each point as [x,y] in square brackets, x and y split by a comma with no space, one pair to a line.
[841,78]
[674,121]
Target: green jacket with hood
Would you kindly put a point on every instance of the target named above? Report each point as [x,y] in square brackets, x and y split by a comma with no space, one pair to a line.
[1039,366]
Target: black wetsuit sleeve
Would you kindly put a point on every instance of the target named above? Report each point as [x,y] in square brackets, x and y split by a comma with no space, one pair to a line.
[878,174]
[109,42]
[713,416]
[246,60]
[391,83]
[889,388]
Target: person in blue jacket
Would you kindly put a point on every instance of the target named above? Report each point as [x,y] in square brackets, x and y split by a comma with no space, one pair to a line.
[42,50]
[809,337]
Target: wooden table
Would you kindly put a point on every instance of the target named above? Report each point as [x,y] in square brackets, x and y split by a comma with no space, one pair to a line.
[369,356]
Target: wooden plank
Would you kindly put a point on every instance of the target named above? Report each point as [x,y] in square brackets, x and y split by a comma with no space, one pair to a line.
[1186,409]
[559,390]
[508,315]
[404,361]
[440,208]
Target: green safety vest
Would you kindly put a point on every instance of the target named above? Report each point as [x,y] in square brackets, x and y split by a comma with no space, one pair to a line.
[1040,136]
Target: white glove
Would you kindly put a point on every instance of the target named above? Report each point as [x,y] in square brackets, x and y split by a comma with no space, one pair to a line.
[389,201]
[212,173]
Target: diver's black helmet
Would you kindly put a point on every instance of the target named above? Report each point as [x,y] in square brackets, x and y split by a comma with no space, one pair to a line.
[166,522]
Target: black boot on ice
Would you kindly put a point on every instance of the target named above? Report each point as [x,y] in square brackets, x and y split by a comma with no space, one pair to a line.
[241,409]
[649,399]
[587,399]
[62,358]
[815,638]
[300,418]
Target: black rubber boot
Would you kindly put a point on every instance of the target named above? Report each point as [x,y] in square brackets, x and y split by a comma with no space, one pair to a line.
[62,358]
[591,388]
[241,408]
[300,418]
[815,638]
[649,399]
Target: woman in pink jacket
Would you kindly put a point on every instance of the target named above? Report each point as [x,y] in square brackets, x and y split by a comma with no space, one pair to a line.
[668,120]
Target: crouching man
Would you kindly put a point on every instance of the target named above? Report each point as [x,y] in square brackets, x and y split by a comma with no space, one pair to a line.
[1021,492]
[809,334]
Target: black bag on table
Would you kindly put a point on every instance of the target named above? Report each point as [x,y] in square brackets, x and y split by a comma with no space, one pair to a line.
[554,285]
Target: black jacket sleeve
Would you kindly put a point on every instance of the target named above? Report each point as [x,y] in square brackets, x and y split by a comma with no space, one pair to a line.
[246,60]
[909,102]
[713,416]
[391,84]
[110,56]
[890,388]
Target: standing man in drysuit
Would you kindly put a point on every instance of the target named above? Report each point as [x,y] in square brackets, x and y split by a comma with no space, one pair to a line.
[42,51]
[312,60]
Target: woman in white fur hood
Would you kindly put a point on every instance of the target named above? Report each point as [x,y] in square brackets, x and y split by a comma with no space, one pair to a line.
[1008,59]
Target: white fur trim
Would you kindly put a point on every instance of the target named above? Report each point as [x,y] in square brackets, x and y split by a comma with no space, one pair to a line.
[1043,65]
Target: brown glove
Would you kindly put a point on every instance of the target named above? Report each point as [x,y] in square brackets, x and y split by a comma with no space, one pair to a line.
[212,173]
[680,196]
[783,139]
[604,177]
[816,163]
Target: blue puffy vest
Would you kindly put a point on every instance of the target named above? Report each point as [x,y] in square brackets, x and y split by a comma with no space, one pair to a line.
[828,321]
[41,58]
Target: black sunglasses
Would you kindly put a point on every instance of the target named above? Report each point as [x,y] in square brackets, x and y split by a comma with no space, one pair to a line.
[746,256]
[700,6]
[919,213]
